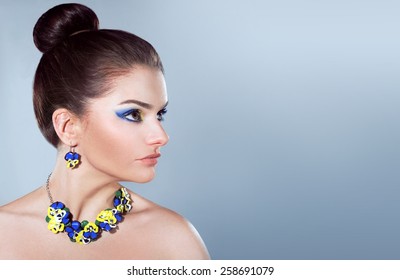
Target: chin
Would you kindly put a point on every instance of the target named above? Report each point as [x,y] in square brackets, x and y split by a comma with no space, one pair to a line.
[142,178]
[141,181]
[135,175]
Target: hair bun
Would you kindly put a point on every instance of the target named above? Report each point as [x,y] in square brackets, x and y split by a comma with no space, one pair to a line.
[60,22]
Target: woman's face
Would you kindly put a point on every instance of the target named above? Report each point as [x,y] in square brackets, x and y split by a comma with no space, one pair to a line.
[123,133]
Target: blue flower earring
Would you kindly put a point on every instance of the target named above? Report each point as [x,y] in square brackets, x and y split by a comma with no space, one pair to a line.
[72,158]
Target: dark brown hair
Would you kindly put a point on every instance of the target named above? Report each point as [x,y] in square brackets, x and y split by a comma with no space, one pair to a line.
[79,61]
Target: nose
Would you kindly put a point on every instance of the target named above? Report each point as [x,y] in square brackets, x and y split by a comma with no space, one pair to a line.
[157,135]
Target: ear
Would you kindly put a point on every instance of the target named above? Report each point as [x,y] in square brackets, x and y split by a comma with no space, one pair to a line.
[67,126]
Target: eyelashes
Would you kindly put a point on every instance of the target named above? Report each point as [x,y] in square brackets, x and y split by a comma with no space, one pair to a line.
[136,115]
[161,114]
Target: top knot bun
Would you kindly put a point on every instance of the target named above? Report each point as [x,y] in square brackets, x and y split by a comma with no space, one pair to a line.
[60,22]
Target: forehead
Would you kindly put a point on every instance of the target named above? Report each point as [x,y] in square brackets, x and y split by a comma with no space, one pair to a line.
[141,83]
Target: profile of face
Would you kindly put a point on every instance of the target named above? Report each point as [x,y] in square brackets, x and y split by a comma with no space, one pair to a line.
[122,131]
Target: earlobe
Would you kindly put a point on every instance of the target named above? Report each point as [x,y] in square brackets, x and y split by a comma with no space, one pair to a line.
[66,124]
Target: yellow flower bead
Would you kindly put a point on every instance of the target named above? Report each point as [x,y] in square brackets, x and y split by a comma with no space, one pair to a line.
[55,226]
[81,239]
[72,163]
[91,227]
[107,216]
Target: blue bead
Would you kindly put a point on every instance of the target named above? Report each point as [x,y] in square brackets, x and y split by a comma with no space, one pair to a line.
[90,234]
[66,219]
[69,156]
[76,225]
[57,205]
[118,217]
[117,202]
[105,226]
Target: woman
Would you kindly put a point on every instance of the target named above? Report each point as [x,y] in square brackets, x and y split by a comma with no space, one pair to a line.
[99,98]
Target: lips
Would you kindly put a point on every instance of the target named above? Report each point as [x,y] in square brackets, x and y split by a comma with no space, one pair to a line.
[150,159]
[152,156]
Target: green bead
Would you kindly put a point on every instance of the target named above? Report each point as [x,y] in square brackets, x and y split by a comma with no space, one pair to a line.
[118,193]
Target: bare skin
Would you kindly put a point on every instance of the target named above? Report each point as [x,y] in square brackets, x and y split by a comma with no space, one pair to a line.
[147,232]
[112,148]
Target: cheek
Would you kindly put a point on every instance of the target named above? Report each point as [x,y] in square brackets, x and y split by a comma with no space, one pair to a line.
[109,146]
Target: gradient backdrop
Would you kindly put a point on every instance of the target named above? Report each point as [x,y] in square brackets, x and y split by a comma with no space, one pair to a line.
[283,118]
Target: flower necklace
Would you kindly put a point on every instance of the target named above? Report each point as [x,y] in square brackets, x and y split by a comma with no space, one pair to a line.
[59,218]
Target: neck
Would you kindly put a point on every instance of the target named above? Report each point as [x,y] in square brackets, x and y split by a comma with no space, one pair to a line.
[84,190]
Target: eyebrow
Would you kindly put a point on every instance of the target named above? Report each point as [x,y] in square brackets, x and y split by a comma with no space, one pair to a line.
[137,102]
[140,103]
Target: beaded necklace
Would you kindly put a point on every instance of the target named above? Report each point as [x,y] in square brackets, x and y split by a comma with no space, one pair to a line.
[59,218]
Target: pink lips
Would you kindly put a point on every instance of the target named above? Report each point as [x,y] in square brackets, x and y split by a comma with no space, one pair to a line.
[151,159]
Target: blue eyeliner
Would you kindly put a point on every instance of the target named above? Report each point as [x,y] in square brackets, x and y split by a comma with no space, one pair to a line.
[123,114]
[135,115]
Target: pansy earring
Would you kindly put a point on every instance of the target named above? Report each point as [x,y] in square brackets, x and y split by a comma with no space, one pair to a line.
[72,158]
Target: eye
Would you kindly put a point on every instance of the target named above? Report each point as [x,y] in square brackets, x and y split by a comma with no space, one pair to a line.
[132,115]
[160,114]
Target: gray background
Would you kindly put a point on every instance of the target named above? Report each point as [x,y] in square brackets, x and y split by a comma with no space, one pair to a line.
[283,118]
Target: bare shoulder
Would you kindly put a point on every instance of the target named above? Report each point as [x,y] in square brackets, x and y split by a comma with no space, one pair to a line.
[11,231]
[4,217]
[7,217]
[170,235]
[180,239]
[19,218]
